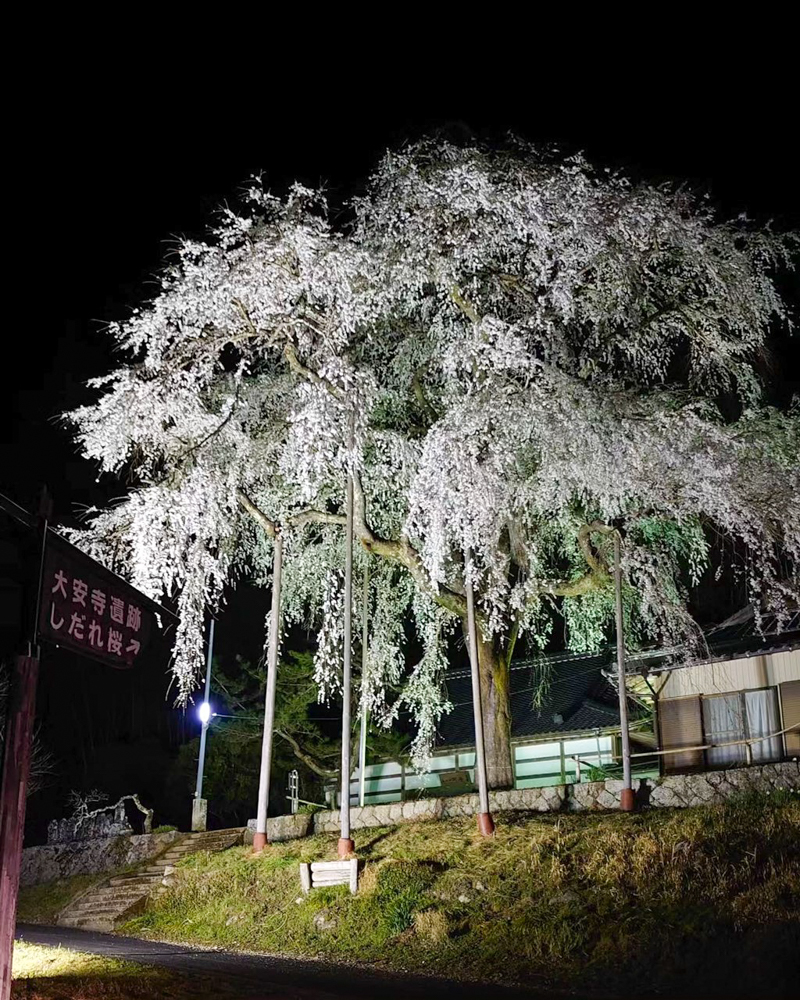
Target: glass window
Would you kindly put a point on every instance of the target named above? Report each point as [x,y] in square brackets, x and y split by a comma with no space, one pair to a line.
[723,722]
[761,716]
[739,716]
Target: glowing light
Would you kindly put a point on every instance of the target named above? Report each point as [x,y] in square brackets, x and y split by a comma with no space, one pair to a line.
[204,712]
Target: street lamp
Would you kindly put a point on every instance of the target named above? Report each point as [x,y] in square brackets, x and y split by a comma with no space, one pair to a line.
[199,805]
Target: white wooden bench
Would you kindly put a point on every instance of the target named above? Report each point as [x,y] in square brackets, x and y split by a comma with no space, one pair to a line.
[320,874]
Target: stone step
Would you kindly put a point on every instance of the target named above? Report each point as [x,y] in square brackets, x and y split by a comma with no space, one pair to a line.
[208,845]
[113,909]
[89,923]
[110,905]
[140,878]
[202,841]
[109,890]
[102,907]
[108,902]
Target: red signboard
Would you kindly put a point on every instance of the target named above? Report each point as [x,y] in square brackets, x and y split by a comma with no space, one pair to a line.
[89,610]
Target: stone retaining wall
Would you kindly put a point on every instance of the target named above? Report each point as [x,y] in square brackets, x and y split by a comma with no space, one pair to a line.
[677,790]
[282,828]
[90,857]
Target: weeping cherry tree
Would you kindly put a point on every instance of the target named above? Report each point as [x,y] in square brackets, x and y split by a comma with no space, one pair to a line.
[510,353]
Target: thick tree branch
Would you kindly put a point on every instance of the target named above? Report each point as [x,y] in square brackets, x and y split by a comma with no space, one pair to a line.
[422,399]
[596,563]
[257,514]
[303,517]
[400,551]
[464,304]
[403,552]
[290,354]
[599,572]
[574,588]
[304,756]
[309,374]
[298,520]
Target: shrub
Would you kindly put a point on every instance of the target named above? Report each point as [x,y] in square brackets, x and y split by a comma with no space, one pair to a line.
[401,891]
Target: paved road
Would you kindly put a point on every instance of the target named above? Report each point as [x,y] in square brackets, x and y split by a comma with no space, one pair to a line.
[272,977]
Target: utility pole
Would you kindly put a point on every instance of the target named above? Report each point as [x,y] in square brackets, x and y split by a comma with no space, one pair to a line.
[13,792]
[362,741]
[19,721]
[626,797]
[260,838]
[485,821]
[346,845]
[200,805]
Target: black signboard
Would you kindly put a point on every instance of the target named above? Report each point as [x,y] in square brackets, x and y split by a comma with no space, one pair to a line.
[89,610]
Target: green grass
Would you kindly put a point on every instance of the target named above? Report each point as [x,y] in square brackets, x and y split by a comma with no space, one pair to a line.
[41,904]
[627,901]
[42,973]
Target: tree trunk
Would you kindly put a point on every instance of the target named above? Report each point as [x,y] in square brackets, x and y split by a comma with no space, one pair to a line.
[496,705]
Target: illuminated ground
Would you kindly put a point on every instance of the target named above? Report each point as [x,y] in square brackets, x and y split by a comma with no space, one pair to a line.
[48,965]
[51,973]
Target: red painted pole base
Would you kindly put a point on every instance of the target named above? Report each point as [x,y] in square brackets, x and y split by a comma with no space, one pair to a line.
[626,800]
[259,842]
[345,847]
[485,824]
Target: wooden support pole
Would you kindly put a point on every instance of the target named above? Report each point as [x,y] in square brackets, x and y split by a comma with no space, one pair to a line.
[485,821]
[626,796]
[13,793]
[362,736]
[260,837]
[346,845]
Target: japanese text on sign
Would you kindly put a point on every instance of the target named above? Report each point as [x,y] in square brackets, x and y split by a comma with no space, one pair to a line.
[86,608]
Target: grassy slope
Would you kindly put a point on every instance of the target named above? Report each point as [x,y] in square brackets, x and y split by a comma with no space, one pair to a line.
[55,973]
[704,896]
[41,904]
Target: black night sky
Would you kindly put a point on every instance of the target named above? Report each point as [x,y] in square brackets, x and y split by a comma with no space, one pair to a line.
[111,168]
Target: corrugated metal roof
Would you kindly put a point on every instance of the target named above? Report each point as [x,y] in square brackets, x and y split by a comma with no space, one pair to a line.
[743,627]
[738,636]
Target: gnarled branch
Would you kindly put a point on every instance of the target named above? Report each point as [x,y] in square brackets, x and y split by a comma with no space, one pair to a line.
[464,304]
[257,514]
[419,394]
[297,520]
[400,551]
[597,564]
[309,374]
[304,756]
[303,517]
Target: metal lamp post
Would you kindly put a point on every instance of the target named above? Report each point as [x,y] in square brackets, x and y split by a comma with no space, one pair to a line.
[199,804]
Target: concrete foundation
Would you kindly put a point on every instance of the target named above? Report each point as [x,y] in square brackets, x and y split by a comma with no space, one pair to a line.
[199,815]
